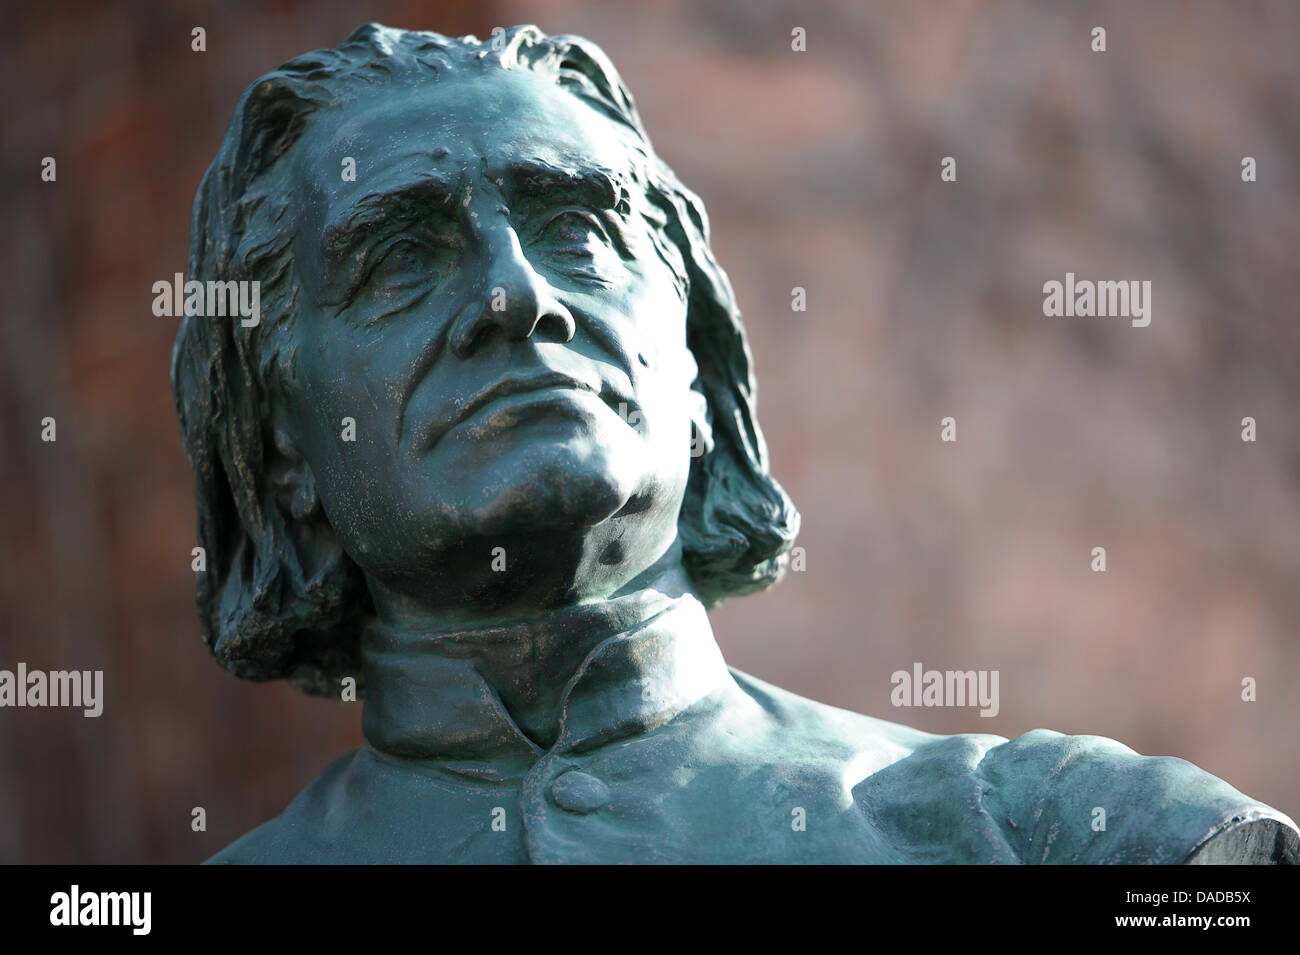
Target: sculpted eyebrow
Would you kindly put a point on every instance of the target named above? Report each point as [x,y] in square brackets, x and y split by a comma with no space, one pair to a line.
[397,206]
[590,186]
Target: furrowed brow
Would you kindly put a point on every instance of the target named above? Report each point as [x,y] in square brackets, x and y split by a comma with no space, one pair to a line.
[401,205]
[587,185]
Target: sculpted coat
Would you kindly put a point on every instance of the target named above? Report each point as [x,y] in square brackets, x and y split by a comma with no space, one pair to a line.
[664,754]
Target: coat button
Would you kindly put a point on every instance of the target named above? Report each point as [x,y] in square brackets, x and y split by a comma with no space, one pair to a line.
[576,791]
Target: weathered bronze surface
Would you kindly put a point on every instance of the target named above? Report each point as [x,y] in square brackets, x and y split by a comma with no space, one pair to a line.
[488,456]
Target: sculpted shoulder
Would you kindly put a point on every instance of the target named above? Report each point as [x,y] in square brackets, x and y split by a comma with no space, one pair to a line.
[803,722]
[1046,797]
[299,835]
[1043,797]
[1055,793]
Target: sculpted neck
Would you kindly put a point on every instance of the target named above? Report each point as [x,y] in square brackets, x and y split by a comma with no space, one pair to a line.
[426,671]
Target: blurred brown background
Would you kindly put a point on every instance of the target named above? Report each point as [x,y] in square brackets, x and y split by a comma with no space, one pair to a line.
[819,169]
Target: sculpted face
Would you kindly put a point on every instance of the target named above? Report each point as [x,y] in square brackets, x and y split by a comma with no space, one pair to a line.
[487,303]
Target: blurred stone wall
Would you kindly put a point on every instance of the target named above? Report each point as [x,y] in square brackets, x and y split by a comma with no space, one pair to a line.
[820,169]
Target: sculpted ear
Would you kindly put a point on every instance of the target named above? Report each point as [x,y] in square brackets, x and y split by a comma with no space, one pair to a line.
[289,489]
[291,477]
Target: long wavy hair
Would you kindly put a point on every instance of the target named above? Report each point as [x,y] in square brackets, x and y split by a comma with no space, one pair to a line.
[264,615]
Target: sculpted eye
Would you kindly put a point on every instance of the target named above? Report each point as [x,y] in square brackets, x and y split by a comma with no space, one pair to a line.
[573,232]
[400,272]
[410,258]
[403,255]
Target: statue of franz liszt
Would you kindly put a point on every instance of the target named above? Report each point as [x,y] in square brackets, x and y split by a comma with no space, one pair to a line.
[490,453]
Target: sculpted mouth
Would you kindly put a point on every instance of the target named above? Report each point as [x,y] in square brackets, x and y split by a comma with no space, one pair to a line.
[517,397]
[515,386]
[520,385]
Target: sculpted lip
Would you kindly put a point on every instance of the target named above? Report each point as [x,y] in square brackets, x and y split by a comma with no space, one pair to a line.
[515,386]
[512,385]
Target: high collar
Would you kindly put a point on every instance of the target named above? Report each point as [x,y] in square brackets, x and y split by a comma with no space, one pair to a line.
[636,662]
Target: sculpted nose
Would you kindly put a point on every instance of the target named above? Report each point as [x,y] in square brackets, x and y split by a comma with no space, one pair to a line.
[513,300]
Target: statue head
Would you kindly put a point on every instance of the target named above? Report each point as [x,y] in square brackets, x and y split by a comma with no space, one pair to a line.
[497,368]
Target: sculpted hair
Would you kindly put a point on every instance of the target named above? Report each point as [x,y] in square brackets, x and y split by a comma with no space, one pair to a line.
[266,612]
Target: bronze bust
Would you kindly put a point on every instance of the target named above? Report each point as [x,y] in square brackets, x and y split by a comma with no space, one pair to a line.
[488,456]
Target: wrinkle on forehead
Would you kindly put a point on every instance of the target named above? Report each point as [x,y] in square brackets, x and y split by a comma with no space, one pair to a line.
[494,115]
[535,176]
